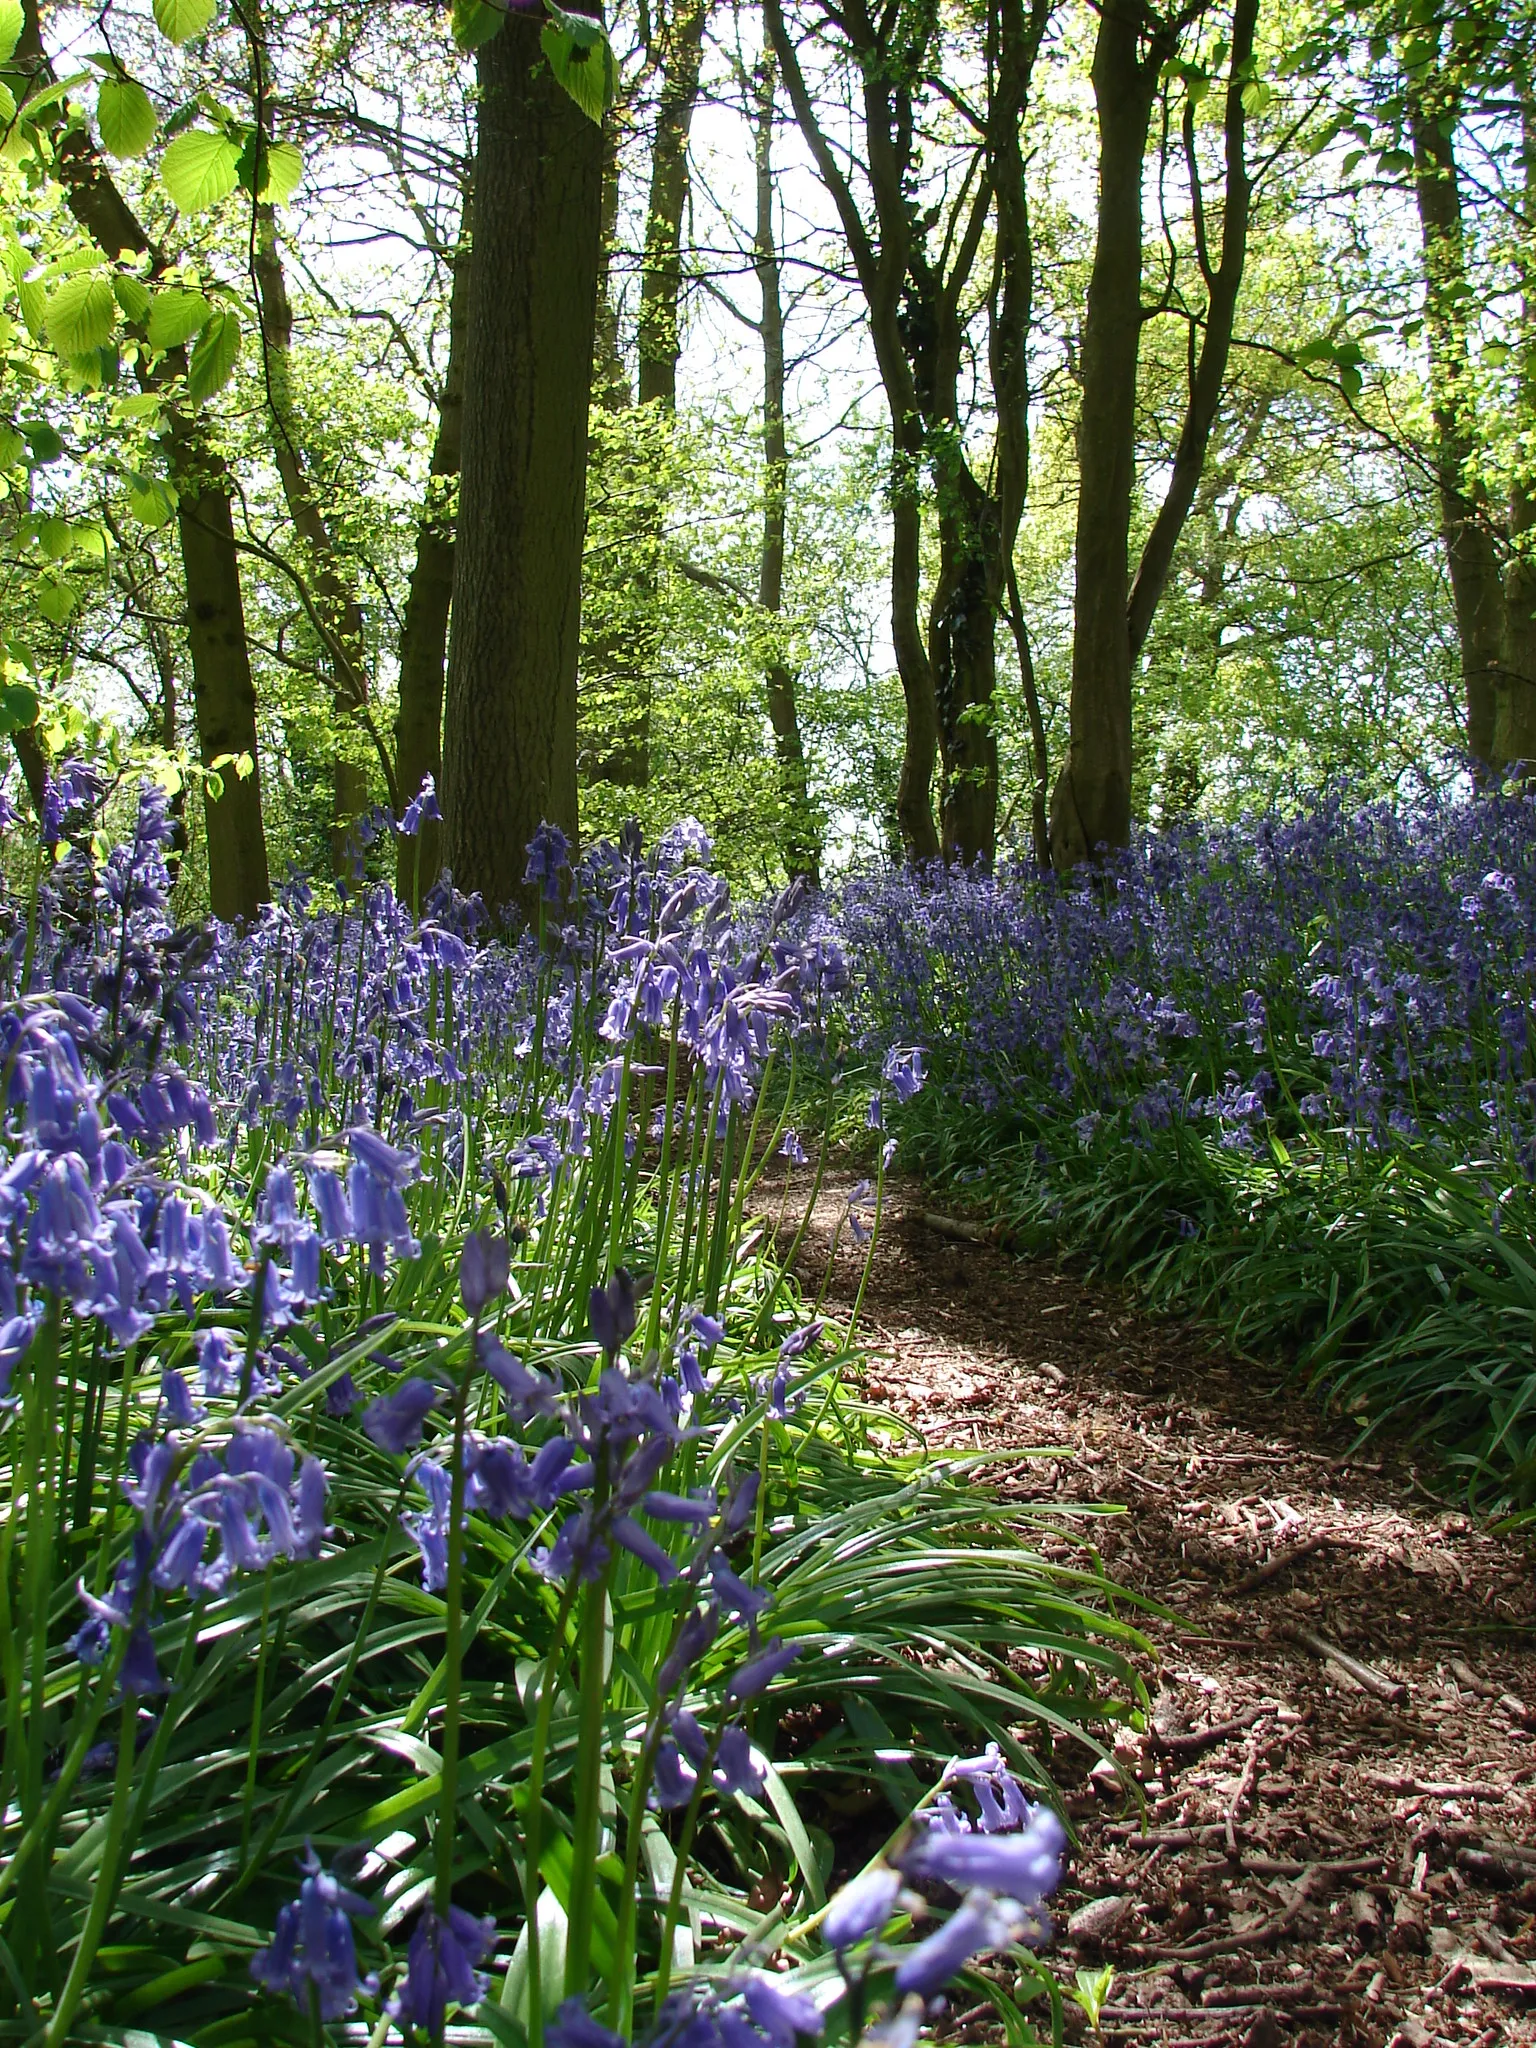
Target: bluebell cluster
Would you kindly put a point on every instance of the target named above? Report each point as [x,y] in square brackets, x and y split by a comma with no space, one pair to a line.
[1365,973]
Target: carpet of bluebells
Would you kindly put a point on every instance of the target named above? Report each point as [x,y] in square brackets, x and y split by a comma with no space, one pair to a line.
[448,1583]
[1281,1072]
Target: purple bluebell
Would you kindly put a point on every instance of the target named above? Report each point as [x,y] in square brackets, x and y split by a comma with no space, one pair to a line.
[422,806]
[1025,1866]
[862,1908]
[982,1922]
[574,2027]
[428,1529]
[698,1631]
[312,1955]
[441,1967]
[760,1671]
[549,856]
[736,1770]
[782,2015]
[613,1310]
[395,1421]
[483,1270]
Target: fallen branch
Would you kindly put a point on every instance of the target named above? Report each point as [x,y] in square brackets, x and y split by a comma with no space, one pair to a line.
[1244,1792]
[1364,1675]
[1199,1739]
[1282,1561]
[1426,1788]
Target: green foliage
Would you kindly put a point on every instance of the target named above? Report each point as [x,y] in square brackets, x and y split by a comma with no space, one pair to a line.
[199,168]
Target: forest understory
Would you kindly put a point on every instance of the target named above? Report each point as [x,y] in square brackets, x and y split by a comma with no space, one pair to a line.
[1289,1853]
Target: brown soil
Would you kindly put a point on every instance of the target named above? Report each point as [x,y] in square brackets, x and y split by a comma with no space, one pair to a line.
[1340,1866]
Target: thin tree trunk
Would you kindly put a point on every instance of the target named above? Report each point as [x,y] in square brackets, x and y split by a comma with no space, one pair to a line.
[335,597]
[1514,730]
[661,274]
[1466,525]
[610,380]
[424,629]
[509,736]
[223,694]
[799,839]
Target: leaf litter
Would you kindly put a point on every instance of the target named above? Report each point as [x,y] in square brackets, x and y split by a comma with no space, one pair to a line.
[1327,1831]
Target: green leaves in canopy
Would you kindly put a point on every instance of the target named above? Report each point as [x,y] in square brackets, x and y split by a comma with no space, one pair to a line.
[151,500]
[474,23]
[271,171]
[10,28]
[175,316]
[124,116]
[580,58]
[200,168]
[131,295]
[18,708]
[81,315]
[215,354]
[181,20]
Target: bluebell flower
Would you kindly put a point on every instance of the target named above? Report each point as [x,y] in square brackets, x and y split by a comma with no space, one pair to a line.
[16,1336]
[862,1908]
[549,856]
[672,1780]
[736,1770]
[982,1922]
[395,1421]
[782,2015]
[483,1270]
[422,806]
[527,1393]
[791,1149]
[440,1967]
[613,1311]
[698,1631]
[903,1071]
[574,2027]
[312,1946]
[760,1671]
[798,1342]
[176,1399]
[429,1529]
[1025,1866]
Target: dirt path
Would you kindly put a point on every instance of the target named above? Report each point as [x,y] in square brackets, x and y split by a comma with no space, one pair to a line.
[1337,1866]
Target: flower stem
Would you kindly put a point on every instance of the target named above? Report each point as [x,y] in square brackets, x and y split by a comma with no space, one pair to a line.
[105,1891]
[453,1658]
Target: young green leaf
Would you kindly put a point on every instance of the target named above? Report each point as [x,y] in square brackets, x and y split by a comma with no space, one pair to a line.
[285,168]
[474,23]
[199,169]
[175,316]
[581,60]
[214,355]
[18,707]
[131,295]
[124,116]
[81,315]
[56,601]
[151,500]
[181,20]
[10,28]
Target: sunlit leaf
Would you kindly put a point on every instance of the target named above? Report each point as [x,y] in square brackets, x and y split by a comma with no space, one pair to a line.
[131,295]
[81,315]
[200,168]
[181,20]
[214,355]
[474,23]
[10,28]
[176,315]
[125,116]
[581,60]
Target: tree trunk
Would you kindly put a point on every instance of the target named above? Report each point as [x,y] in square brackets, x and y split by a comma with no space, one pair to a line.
[661,274]
[1466,525]
[509,739]
[1091,803]
[424,629]
[223,695]
[1514,725]
[340,615]
[610,380]
[799,839]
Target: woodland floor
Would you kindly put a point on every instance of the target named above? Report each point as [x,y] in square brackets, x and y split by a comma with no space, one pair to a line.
[1317,1864]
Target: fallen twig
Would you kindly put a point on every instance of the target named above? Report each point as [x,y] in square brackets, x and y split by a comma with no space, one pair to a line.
[1314,1882]
[1364,1675]
[1197,1739]
[1426,1788]
[1244,1792]
[1281,1561]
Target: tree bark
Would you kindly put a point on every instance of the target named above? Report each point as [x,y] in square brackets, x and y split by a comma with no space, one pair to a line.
[882,274]
[1466,524]
[1514,724]
[424,629]
[799,840]
[661,272]
[509,738]
[1091,803]
[223,694]
[336,602]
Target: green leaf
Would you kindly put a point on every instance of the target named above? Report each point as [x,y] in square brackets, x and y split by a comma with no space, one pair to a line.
[81,315]
[285,168]
[131,295]
[18,707]
[10,28]
[200,168]
[175,316]
[11,447]
[215,355]
[56,601]
[34,307]
[181,20]
[43,440]
[53,539]
[124,116]
[474,23]
[152,501]
[582,62]
[7,103]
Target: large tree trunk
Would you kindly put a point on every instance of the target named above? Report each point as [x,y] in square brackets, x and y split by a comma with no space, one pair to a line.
[339,614]
[1514,724]
[661,273]
[223,695]
[509,738]
[799,840]
[1466,523]
[424,629]
[1091,803]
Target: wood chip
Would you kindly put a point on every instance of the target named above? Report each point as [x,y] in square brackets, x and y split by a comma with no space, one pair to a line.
[1364,1675]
